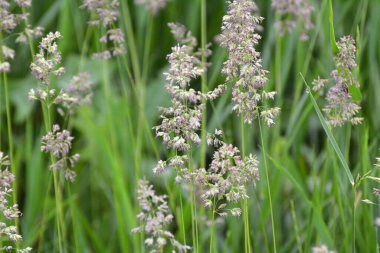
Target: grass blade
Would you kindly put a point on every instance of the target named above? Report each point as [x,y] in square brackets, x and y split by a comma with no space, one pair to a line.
[332,31]
[329,134]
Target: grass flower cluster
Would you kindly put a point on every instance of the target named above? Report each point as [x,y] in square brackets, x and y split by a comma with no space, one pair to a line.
[340,107]
[153,6]
[107,15]
[299,12]
[154,217]
[8,211]
[244,65]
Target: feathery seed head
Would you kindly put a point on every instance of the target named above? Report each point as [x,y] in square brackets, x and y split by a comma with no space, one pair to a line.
[244,65]
[346,58]
[154,218]
[322,249]
[47,60]
[182,36]
[227,177]
[30,32]
[107,13]
[78,93]
[58,144]
[376,192]
[318,84]
[182,121]
[8,211]
[153,6]
[24,3]
[9,21]
[377,165]
[5,67]
[299,11]
[340,107]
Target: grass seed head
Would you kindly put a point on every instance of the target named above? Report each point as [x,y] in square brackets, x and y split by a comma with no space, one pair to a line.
[243,67]
[58,144]
[107,16]
[299,11]
[154,218]
[153,6]
[340,108]
[8,211]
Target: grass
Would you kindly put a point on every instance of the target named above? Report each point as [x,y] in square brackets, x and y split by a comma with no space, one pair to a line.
[313,177]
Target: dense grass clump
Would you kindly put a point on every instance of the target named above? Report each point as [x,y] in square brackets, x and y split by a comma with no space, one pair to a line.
[189,126]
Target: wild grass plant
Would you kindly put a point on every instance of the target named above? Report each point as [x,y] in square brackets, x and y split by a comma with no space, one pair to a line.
[189,126]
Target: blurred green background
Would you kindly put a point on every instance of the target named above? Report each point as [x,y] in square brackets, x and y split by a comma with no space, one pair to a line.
[312,197]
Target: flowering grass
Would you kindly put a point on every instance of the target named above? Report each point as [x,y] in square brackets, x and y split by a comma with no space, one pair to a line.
[193,126]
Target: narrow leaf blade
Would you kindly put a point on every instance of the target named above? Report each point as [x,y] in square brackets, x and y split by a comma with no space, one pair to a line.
[330,135]
[332,31]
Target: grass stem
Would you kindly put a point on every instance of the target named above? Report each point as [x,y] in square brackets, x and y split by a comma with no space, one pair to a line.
[268,185]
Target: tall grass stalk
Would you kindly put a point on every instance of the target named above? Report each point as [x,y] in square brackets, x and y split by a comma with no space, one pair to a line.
[131,41]
[353,249]
[193,203]
[59,219]
[263,153]
[119,186]
[203,81]
[247,241]
[1,112]
[14,169]
[296,229]
[204,88]
[147,46]
[57,191]
[342,160]
[138,79]
[212,229]
[194,221]
[182,218]
[309,54]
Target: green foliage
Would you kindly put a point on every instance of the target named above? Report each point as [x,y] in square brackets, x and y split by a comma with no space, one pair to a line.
[311,167]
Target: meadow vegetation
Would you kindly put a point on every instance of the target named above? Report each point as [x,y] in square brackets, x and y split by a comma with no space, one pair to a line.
[189,126]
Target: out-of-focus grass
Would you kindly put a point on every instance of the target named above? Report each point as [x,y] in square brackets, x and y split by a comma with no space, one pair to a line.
[311,194]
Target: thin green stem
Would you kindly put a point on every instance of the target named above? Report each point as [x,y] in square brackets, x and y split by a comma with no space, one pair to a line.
[247,244]
[295,226]
[74,218]
[353,219]
[44,218]
[247,241]
[142,124]
[203,80]
[194,214]
[212,232]
[148,42]
[30,41]
[57,191]
[113,147]
[1,109]
[58,211]
[194,227]
[242,133]
[182,218]
[9,129]
[131,41]
[268,185]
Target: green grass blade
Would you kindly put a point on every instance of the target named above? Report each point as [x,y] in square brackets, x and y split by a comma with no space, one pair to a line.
[329,134]
[332,31]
